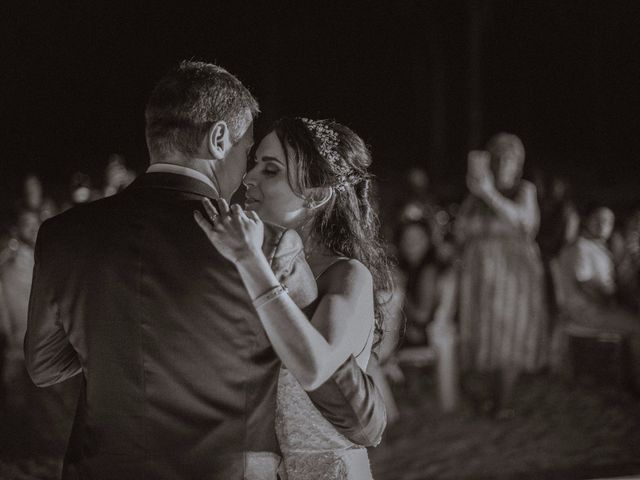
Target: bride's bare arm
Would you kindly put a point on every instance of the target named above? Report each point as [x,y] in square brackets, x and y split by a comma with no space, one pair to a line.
[311,350]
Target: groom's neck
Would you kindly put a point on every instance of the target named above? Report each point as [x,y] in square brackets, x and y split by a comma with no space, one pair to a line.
[202,165]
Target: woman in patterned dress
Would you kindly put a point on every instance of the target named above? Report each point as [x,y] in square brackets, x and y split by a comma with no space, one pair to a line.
[503,320]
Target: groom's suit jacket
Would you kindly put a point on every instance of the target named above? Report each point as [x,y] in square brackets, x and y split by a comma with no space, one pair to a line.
[179,378]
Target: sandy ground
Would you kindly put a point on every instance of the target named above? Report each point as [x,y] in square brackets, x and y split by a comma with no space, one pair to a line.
[559,430]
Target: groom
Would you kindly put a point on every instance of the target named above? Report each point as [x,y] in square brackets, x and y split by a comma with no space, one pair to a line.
[179,378]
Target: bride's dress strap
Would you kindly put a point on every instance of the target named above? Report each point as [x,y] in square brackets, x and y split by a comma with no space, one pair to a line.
[331,264]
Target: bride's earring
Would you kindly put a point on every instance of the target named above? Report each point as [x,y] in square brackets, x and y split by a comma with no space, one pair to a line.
[311,204]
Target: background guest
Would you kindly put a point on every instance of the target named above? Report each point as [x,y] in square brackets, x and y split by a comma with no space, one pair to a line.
[33,198]
[628,265]
[586,277]
[5,334]
[80,190]
[503,320]
[117,176]
[414,201]
[428,281]
[15,274]
[15,277]
[559,226]
[559,219]
[41,418]
[587,268]
[417,277]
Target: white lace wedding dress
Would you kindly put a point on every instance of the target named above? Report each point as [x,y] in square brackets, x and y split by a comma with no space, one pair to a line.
[312,448]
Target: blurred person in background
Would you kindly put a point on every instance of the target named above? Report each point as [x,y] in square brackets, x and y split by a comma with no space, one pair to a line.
[34,200]
[502,310]
[117,176]
[587,281]
[5,334]
[427,279]
[587,268]
[15,273]
[559,226]
[559,219]
[417,277]
[628,265]
[80,190]
[16,268]
[428,282]
[40,418]
[414,201]
[442,330]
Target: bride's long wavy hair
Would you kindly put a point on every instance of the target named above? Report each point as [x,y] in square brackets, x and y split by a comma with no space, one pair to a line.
[347,223]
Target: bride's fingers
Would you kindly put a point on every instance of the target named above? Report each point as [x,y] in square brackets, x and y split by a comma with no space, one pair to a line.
[239,213]
[223,205]
[236,210]
[253,215]
[210,209]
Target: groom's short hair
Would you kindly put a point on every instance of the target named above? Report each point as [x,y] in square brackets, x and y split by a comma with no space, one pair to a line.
[188,101]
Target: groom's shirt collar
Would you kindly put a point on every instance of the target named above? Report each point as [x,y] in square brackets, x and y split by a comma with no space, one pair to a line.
[181,170]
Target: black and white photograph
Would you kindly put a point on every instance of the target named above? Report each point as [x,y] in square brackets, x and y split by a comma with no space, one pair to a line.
[320,240]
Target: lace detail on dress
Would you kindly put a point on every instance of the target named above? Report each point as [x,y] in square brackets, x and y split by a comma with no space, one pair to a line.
[316,466]
[312,448]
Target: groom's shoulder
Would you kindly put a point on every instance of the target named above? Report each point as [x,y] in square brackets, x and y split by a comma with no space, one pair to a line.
[81,217]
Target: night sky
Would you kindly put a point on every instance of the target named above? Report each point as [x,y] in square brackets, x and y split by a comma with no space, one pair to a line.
[564,75]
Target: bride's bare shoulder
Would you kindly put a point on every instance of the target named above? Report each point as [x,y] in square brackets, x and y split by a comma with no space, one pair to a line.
[342,274]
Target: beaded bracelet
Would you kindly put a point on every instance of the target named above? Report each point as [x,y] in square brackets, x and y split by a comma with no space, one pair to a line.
[269,295]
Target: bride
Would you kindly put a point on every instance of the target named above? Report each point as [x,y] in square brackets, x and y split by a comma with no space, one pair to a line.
[311,176]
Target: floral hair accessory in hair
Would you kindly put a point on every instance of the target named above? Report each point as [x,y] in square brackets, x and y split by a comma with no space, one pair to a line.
[325,139]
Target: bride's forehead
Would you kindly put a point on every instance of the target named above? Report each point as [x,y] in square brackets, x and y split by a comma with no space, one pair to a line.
[271,146]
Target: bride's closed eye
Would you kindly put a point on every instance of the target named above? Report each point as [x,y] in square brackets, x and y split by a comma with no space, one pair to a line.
[270,169]
[269,166]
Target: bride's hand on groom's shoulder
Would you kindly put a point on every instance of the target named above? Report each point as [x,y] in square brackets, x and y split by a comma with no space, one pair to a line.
[236,234]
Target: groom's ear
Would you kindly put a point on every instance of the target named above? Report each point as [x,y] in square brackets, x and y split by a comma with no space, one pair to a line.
[219,140]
